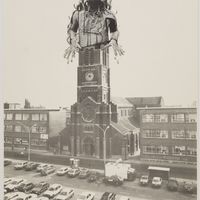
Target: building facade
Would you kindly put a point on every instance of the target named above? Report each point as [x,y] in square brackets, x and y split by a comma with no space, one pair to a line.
[168,133]
[42,124]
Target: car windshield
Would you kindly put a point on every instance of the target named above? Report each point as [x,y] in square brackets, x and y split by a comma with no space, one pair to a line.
[82,197]
[63,193]
[144,177]
[51,189]
[156,180]
[15,182]
[19,163]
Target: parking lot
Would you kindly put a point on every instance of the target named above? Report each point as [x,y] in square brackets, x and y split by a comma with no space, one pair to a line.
[131,189]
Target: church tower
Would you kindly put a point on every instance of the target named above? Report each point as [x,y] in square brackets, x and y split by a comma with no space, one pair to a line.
[92,113]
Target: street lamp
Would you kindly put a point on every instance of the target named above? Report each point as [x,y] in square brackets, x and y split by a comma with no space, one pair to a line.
[29,137]
[104,142]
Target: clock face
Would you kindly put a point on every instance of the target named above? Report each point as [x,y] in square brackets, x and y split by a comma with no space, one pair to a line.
[89,76]
[88,113]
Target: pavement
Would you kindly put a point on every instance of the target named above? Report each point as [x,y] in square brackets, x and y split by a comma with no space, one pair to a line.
[131,161]
[131,189]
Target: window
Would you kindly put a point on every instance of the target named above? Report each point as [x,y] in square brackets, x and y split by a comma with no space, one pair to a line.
[8,128]
[38,142]
[35,117]
[178,150]
[161,118]
[191,134]
[121,113]
[8,140]
[18,117]
[155,150]
[148,118]
[178,134]
[88,128]
[177,118]
[43,117]
[190,118]
[18,129]
[191,151]
[9,116]
[18,141]
[35,129]
[25,117]
[155,134]
[42,129]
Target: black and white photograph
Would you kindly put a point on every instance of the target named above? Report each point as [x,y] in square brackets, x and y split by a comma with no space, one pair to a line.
[100,99]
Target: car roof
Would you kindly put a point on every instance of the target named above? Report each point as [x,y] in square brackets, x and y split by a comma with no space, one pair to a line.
[156,177]
[87,192]
[55,185]
[64,167]
[124,198]
[66,189]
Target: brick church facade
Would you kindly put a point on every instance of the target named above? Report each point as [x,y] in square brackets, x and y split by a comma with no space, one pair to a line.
[94,116]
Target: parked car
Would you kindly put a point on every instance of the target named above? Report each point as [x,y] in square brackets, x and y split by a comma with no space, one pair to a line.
[62,171]
[47,170]
[41,166]
[20,165]
[73,172]
[14,184]
[124,198]
[94,176]
[156,182]
[86,196]
[7,162]
[40,188]
[84,173]
[5,191]
[7,181]
[24,196]
[53,190]
[144,180]
[113,180]
[172,184]
[131,173]
[108,196]
[12,195]
[25,187]
[42,198]
[189,187]
[66,194]
[31,166]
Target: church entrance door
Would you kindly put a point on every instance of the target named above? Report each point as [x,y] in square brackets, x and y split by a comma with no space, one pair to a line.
[88,147]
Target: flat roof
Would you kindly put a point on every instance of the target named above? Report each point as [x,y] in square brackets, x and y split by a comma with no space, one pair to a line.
[164,108]
[32,109]
[159,168]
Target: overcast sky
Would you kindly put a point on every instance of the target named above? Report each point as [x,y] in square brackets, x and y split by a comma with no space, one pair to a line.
[158,36]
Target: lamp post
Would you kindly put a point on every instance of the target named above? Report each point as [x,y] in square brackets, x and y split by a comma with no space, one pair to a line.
[29,137]
[104,142]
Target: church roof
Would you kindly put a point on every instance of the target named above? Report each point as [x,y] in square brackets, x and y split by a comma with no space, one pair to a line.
[120,101]
[145,101]
[124,126]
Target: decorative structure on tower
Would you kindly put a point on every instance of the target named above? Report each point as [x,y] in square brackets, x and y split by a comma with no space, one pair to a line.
[92,30]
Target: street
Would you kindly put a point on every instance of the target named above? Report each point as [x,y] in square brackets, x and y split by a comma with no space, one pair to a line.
[132,189]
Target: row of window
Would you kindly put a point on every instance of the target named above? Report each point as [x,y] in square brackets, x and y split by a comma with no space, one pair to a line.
[125,112]
[175,134]
[175,150]
[19,129]
[174,118]
[24,141]
[24,117]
